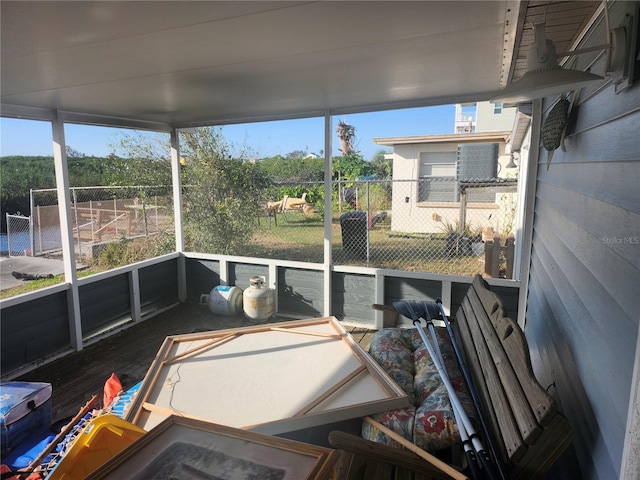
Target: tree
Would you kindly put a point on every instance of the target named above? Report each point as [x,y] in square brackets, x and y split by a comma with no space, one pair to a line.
[296,154]
[346,134]
[223,195]
[143,160]
[350,167]
[72,152]
[382,166]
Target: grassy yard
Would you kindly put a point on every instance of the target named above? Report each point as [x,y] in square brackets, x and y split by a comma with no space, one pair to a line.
[300,238]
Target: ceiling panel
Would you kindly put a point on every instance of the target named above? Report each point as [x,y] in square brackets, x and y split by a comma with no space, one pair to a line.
[186,63]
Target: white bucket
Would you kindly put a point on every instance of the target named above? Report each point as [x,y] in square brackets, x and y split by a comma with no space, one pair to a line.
[225,300]
[258,300]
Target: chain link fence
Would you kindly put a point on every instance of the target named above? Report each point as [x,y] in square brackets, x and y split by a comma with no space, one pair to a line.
[18,241]
[99,216]
[435,224]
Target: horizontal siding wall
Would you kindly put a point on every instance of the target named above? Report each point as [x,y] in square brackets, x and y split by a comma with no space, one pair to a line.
[202,277]
[33,330]
[104,302]
[159,285]
[300,292]
[352,297]
[36,325]
[583,304]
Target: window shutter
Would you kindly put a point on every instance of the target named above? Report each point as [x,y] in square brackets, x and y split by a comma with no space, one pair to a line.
[478,161]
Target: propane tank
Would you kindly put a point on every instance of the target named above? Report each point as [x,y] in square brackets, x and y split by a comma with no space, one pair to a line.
[225,300]
[258,300]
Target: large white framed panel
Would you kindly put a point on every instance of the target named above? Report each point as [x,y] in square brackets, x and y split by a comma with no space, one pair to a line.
[272,378]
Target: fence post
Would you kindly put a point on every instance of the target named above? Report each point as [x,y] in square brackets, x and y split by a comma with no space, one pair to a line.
[75,214]
[93,230]
[32,240]
[8,236]
[144,218]
[39,219]
[492,256]
[509,251]
[115,215]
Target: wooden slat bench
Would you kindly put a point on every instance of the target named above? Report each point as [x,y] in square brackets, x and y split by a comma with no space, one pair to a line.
[523,419]
[526,428]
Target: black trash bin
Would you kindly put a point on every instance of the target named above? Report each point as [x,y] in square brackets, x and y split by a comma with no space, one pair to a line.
[354,233]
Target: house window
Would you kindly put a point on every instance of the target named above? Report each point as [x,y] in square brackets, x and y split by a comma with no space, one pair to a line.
[497,108]
[437,177]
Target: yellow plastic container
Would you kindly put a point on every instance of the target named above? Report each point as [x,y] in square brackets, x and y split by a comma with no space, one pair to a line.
[104,437]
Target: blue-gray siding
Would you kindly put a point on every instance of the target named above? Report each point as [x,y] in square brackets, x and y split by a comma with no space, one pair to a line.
[202,277]
[300,292]
[159,284]
[103,302]
[33,330]
[584,301]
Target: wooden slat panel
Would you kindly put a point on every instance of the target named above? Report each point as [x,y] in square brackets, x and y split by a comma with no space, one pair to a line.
[383,453]
[555,438]
[509,381]
[517,351]
[486,380]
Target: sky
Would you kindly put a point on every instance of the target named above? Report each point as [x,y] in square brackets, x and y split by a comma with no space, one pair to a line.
[264,139]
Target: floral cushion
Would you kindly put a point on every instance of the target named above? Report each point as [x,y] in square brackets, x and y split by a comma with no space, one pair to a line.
[428,421]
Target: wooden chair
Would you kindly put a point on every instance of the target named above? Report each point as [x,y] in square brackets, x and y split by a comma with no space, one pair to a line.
[367,460]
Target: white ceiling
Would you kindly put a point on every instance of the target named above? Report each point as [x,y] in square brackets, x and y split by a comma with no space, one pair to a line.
[182,63]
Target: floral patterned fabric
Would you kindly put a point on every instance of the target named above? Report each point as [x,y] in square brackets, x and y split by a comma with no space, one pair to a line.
[428,421]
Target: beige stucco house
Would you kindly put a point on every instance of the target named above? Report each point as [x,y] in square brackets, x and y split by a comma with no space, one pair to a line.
[429,172]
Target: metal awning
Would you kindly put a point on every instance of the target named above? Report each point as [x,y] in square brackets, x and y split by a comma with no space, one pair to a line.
[181,63]
[163,64]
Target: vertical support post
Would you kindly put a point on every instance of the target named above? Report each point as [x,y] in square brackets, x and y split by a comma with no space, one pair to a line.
[378,298]
[134,295]
[368,218]
[328,251]
[177,213]
[224,272]
[445,296]
[66,233]
[273,284]
[529,210]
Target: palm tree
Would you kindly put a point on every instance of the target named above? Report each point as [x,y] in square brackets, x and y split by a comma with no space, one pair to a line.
[346,134]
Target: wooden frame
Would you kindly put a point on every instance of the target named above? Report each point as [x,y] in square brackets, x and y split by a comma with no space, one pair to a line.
[180,447]
[273,378]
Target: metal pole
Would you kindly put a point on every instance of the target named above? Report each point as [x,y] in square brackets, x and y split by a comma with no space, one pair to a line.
[32,240]
[472,390]
[8,236]
[407,310]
